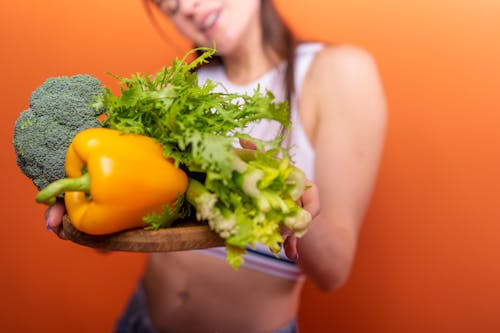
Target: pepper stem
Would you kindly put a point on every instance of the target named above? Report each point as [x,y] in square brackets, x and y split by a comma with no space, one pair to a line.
[48,195]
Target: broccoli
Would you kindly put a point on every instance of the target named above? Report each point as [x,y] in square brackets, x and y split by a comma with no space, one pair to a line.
[59,109]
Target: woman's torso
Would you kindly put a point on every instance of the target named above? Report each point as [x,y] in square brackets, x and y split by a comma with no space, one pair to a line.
[192,292]
[195,292]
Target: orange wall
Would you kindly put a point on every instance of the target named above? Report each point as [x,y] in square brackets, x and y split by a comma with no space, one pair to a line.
[428,256]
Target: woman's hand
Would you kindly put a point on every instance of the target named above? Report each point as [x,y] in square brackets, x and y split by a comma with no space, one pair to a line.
[310,202]
[53,219]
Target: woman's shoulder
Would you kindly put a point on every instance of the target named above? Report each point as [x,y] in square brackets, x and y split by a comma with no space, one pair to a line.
[343,61]
[345,74]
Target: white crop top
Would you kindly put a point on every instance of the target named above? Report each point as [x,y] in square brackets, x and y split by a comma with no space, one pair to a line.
[301,150]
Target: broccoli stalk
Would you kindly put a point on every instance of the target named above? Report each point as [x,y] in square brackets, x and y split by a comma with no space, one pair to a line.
[59,109]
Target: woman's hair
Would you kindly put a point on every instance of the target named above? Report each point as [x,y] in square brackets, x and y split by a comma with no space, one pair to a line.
[278,38]
[276,35]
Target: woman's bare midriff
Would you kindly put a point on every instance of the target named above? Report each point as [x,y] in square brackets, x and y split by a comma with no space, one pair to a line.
[192,292]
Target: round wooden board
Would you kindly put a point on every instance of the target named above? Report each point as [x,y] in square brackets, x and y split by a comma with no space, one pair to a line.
[185,236]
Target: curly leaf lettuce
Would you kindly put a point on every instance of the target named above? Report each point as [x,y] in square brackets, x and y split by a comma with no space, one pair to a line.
[244,196]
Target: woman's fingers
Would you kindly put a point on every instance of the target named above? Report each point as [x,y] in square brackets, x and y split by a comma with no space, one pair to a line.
[247,144]
[290,247]
[289,243]
[310,200]
[53,219]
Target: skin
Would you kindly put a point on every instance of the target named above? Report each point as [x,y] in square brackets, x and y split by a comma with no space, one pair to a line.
[343,111]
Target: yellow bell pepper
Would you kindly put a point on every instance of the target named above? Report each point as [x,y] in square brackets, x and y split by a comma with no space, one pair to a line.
[114,180]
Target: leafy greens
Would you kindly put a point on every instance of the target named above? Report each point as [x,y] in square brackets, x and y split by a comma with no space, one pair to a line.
[244,195]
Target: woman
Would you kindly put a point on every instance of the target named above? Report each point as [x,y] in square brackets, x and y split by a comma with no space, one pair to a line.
[338,114]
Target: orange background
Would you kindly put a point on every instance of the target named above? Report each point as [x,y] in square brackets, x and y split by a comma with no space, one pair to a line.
[428,259]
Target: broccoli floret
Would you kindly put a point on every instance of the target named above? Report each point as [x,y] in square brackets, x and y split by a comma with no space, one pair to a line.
[59,109]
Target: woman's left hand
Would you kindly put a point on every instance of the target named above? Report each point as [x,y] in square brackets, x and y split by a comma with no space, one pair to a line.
[310,202]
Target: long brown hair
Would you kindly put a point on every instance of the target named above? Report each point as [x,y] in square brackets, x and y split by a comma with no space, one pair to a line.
[277,38]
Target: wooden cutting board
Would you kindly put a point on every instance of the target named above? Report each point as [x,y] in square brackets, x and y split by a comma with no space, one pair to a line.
[185,236]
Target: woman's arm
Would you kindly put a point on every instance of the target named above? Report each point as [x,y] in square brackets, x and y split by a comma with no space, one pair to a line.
[344,89]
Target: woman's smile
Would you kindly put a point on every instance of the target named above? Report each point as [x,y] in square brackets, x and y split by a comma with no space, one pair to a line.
[209,21]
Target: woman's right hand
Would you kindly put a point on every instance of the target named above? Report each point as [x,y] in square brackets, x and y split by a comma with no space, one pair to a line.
[53,218]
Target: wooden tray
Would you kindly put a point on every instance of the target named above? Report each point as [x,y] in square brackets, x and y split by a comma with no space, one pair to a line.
[185,236]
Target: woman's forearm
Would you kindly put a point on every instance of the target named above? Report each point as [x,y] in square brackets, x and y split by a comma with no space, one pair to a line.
[326,253]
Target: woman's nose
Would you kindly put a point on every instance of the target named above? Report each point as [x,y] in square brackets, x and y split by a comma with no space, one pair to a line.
[188,7]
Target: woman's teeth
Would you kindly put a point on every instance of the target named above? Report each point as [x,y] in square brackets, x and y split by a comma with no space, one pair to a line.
[210,21]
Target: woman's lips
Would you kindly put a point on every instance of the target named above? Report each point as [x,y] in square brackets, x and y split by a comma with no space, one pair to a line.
[209,21]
